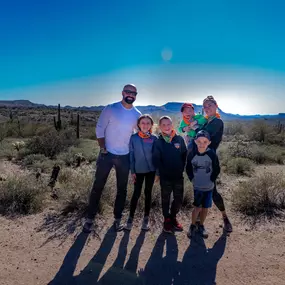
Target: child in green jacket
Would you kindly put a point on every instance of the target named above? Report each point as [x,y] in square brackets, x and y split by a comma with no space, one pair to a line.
[190,123]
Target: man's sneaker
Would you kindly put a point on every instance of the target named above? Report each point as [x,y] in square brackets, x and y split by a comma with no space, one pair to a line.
[176,225]
[129,224]
[227,225]
[145,224]
[87,227]
[191,232]
[203,231]
[167,226]
[118,226]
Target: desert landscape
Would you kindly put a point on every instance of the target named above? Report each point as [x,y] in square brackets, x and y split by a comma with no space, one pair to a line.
[47,165]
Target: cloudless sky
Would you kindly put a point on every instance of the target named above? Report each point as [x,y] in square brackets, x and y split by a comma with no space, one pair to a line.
[83,52]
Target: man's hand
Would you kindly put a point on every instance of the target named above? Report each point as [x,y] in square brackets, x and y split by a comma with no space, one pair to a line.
[134,178]
[103,150]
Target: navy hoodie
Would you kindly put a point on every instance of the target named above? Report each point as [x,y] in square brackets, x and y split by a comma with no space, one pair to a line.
[170,158]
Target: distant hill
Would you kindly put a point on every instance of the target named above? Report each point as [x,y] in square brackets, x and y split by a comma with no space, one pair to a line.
[168,108]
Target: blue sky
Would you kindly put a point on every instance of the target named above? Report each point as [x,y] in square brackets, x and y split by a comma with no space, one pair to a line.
[83,52]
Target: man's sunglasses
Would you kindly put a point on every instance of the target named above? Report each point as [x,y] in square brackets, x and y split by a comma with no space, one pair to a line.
[131,92]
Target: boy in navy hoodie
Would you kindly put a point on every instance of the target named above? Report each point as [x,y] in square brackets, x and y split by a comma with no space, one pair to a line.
[169,158]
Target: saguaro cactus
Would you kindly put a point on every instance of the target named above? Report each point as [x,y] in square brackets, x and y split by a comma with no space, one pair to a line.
[77,125]
[57,124]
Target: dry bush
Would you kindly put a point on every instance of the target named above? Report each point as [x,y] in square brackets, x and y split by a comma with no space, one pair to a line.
[21,195]
[239,166]
[267,154]
[87,150]
[234,128]
[261,195]
[258,131]
[75,186]
[75,190]
[32,159]
[257,152]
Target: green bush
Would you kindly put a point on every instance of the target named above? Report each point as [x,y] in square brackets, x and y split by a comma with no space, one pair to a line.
[239,166]
[21,195]
[52,143]
[261,195]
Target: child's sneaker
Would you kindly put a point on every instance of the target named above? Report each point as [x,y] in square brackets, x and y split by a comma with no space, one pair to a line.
[118,226]
[227,225]
[129,224]
[176,225]
[145,224]
[167,226]
[191,232]
[203,231]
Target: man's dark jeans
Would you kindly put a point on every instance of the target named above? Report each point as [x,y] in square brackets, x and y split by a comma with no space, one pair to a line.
[105,163]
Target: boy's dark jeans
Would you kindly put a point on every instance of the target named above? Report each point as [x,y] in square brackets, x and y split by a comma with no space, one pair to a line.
[167,187]
[149,181]
[105,163]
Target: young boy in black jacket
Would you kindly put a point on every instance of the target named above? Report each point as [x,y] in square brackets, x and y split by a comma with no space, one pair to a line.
[169,158]
[202,169]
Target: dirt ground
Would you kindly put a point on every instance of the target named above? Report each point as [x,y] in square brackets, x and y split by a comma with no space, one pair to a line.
[44,249]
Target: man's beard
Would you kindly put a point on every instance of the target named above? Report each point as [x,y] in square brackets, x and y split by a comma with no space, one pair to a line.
[129,100]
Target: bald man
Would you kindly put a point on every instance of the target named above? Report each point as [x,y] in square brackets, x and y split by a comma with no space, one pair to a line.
[115,126]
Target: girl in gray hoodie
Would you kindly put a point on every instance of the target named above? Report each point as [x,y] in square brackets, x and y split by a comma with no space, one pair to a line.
[142,169]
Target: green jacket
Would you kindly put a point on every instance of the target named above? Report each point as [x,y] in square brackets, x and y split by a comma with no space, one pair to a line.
[201,121]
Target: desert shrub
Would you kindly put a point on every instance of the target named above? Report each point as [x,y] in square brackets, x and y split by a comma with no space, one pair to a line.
[258,155]
[87,150]
[260,195]
[65,174]
[52,143]
[239,149]
[267,154]
[258,131]
[31,159]
[188,198]
[18,145]
[3,132]
[234,128]
[21,195]
[277,139]
[75,190]
[239,166]
[45,166]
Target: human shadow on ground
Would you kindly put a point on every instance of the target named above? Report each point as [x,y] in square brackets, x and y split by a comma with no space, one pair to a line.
[66,271]
[159,269]
[117,273]
[199,264]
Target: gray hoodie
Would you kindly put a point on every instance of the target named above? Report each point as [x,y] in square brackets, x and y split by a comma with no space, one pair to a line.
[203,169]
[141,154]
